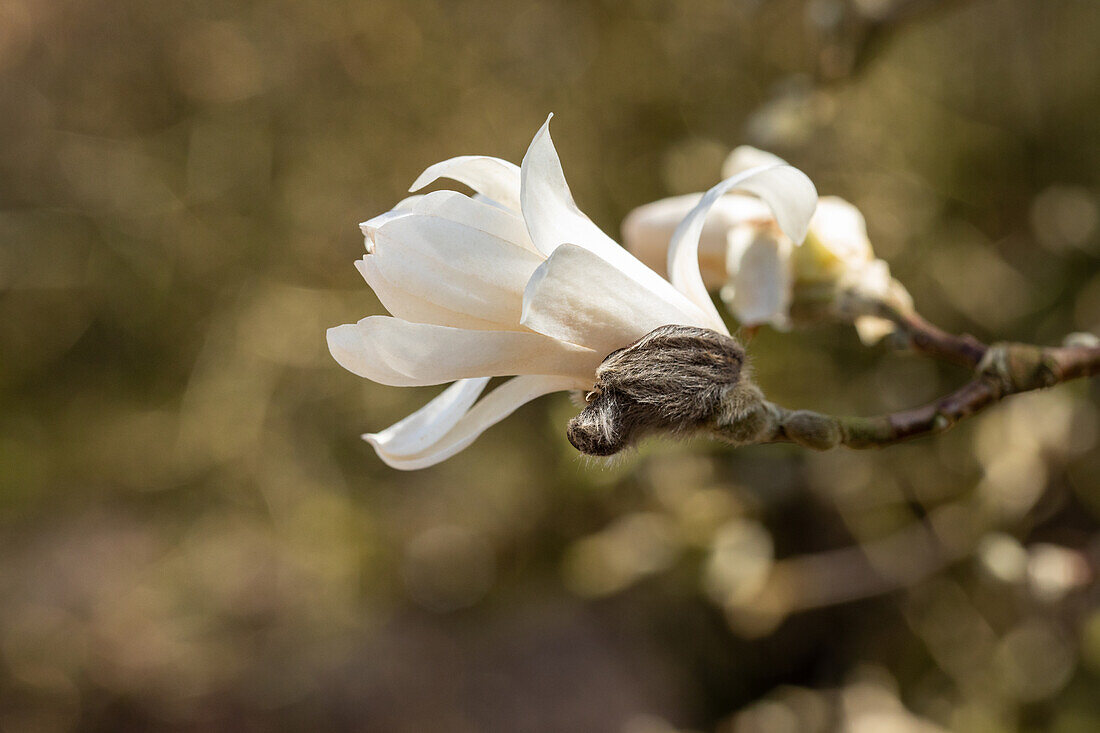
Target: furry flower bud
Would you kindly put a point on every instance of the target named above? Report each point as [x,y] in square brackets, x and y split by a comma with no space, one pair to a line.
[674,379]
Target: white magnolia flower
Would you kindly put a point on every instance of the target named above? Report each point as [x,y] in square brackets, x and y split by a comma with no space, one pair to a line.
[516,281]
[758,269]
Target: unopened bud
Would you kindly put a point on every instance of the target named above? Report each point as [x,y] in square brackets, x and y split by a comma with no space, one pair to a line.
[674,379]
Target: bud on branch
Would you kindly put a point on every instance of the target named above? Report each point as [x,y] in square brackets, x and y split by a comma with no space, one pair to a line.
[675,379]
[682,380]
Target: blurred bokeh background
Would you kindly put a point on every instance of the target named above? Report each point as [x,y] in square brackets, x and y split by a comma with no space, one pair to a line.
[193,537]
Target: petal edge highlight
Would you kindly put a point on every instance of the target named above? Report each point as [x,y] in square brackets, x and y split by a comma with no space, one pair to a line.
[787,190]
[425,427]
[493,177]
[491,409]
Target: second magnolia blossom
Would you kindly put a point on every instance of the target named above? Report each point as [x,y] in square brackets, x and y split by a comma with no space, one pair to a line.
[516,281]
[767,277]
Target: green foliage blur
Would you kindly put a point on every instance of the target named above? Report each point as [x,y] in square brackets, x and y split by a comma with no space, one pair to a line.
[193,536]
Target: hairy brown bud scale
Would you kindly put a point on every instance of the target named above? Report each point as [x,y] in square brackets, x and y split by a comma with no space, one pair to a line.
[673,379]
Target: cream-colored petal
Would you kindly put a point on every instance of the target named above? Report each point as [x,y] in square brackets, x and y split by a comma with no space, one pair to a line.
[411,307]
[345,343]
[841,229]
[498,179]
[648,229]
[579,297]
[871,280]
[548,208]
[872,329]
[409,202]
[760,286]
[745,157]
[423,428]
[430,354]
[486,200]
[494,407]
[553,218]
[455,266]
[371,226]
[481,215]
[789,193]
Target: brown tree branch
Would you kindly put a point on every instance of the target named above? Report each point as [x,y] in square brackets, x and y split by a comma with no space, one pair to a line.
[926,338]
[1003,369]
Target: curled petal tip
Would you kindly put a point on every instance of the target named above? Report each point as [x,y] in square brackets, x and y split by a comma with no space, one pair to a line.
[341,340]
[745,157]
[789,193]
[495,178]
[425,178]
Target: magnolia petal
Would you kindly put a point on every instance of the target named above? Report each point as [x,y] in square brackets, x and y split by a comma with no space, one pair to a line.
[455,266]
[411,307]
[548,208]
[496,204]
[494,407]
[553,218]
[872,329]
[430,354]
[840,228]
[648,229]
[498,179]
[872,281]
[345,343]
[409,202]
[426,426]
[477,214]
[371,226]
[579,297]
[760,286]
[745,157]
[789,193]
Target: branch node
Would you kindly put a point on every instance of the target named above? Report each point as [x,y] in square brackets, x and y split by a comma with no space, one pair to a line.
[1018,367]
[812,429]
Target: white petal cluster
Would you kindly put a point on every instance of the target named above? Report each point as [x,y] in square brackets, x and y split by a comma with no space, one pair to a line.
[516,281]
[757,266]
